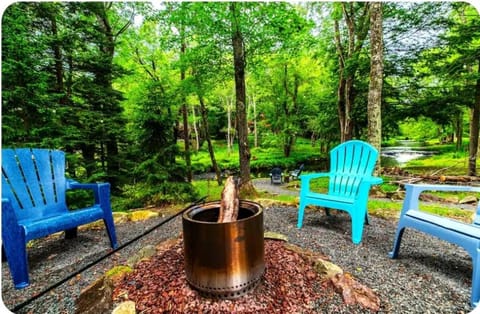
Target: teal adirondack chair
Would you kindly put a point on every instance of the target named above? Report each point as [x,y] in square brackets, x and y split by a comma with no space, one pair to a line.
[351,175]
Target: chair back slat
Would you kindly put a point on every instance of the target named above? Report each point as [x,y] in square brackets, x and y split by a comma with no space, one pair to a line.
[30,174]
[45,175]
[349,163]
[7,191]
[34,180]
[13,182]
[58,167]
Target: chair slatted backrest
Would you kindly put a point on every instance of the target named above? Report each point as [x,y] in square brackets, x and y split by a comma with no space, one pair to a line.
[349,163]
[34,181]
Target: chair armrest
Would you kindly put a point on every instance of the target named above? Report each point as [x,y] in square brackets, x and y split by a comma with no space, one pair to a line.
[87,186]
[75,185]
[374,180]
[7,210]
[310,176]
[413,192]
[100,190]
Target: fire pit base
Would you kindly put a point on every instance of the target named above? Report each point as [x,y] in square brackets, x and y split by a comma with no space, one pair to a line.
[229,293]
[223,260]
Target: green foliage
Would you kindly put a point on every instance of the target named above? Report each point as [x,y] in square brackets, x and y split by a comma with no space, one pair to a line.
[208,188]
[80,199]
[144,194]
[446,160]
[419,130]
[28,105]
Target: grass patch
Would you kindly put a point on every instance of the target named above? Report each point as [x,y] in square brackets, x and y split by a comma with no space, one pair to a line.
[265,157]
[208,188]
[391,210]
[384,209]
[213,192]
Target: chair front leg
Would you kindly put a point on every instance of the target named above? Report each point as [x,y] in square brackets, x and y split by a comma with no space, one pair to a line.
[396,243]
[14,246]
[301,212]
[15,250]
[475,298]
[104,200]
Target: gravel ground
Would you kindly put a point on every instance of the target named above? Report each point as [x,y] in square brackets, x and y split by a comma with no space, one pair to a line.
[430,276]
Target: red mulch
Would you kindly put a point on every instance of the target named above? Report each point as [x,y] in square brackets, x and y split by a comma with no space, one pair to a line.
[289,285]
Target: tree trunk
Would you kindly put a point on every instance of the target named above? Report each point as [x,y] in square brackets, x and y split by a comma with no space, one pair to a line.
[255,134]
[349,99]
[195,130]
[57,53]
[186,133]
[341,107]
[474,130]
[211,151]
[376,79]
[229,126]
[459,131]
[239,63]
[88,154]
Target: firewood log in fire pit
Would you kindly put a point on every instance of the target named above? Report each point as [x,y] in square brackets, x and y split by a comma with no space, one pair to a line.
[230,202]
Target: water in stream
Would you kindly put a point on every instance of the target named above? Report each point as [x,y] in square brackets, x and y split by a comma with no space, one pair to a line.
[405,151]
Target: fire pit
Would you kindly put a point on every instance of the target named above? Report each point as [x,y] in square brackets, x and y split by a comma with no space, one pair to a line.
[223,260]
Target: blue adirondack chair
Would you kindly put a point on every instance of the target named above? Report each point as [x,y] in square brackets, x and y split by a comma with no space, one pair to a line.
[351,175]
[456,232]
[34,204]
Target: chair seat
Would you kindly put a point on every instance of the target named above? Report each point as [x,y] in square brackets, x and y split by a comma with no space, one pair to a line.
[452,225]
[329,198]
[47,225]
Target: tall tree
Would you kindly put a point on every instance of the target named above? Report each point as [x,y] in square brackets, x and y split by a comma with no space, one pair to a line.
[349,40]
[109,102]
[239,64]
[28,104]
[474,128]
[376,78]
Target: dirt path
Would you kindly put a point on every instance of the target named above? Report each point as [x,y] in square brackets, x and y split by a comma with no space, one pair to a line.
[263,184]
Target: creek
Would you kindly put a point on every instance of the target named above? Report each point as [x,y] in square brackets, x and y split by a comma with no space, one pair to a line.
[406,150]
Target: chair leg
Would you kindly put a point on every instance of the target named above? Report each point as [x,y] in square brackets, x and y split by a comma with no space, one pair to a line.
[4,255]
[104,200]
[71,233]
[357,229]
[16,253]
[301,211]
[327,211]
[475,298]
[396,243]
[109,225]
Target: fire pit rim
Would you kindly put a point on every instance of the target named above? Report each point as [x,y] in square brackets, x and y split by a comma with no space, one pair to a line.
[215,204]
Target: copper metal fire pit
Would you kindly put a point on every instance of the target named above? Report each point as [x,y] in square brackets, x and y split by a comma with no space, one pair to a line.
[223,260]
